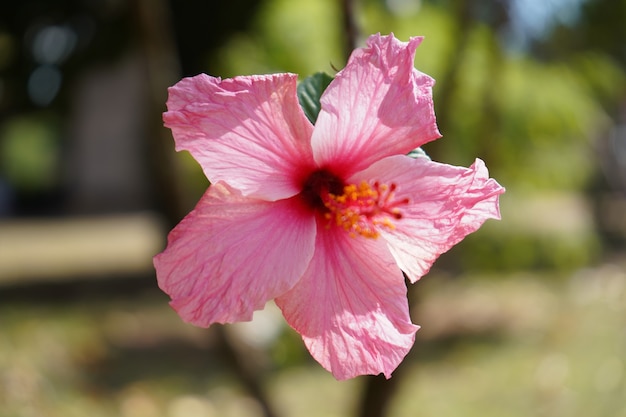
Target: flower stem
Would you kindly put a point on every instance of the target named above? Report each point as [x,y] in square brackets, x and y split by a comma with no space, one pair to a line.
[248,375]
[350,27]
[378,392]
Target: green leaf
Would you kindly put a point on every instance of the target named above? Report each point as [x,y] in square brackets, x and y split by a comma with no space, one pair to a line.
[418,153]
[309,92]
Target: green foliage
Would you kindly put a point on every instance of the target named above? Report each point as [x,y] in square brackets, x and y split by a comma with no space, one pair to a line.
[434,24]
[310,91]
[29,153]
[602,76]
[418,153]
[302,37]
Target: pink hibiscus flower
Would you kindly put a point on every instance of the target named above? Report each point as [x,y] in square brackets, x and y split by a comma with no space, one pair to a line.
[323,219]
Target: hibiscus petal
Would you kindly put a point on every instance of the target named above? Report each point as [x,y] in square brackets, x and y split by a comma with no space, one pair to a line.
[249,132]
[378,105]
[351,306]
[446,203]
[232,254]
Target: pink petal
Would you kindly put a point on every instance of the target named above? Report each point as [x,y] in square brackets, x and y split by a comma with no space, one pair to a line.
[232,254]
[378,105]
[446,203]
[246,131]
[351,307]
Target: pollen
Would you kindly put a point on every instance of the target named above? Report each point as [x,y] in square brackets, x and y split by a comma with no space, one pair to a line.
[364,209]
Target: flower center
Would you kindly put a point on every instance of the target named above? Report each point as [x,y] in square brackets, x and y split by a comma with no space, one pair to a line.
[363,209]
[359,209]
[318,185]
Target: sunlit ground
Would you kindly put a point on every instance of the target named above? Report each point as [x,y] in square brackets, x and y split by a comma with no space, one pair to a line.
[523,345]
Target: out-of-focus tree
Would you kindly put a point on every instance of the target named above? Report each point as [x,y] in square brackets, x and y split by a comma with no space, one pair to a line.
[534,113]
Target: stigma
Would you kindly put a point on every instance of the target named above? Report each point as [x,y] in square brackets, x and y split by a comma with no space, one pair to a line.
[364,209]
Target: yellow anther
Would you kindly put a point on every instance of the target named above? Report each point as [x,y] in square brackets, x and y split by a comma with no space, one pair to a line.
[364,209]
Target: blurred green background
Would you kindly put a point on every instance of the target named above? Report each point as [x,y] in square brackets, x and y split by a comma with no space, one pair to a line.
[526,317]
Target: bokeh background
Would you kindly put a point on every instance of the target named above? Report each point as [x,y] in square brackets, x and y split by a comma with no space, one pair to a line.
[526,317]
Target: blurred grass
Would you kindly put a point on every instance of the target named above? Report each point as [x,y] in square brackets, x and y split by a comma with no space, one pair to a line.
[524,344]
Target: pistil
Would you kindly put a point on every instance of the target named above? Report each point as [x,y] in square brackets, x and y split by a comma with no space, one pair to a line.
[365,208]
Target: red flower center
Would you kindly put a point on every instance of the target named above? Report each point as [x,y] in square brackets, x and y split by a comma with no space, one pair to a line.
[359,209]
[319,184]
